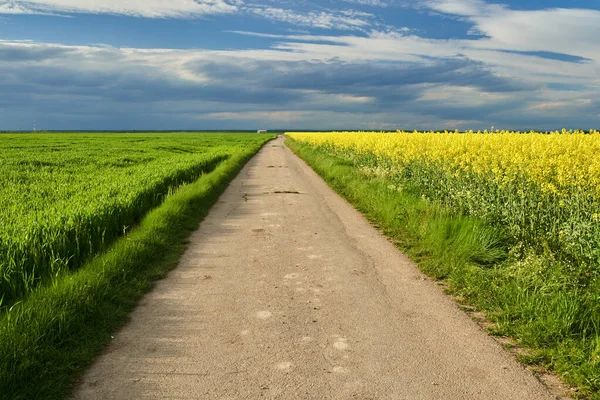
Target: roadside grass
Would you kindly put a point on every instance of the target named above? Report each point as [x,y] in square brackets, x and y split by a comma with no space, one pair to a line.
[48,339]
[530,296]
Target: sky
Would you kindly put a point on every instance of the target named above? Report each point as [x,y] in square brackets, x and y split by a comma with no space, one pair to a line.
[283,64]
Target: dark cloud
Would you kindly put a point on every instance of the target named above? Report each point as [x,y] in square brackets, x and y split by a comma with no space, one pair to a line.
[549,55]
[31,53]
[460,72]
[389,84]
[106,89]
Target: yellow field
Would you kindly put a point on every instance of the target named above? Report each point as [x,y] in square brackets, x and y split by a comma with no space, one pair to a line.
[541,187]
[509,219]
[556,161]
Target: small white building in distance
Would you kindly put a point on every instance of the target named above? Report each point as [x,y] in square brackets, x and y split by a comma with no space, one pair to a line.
[261,131]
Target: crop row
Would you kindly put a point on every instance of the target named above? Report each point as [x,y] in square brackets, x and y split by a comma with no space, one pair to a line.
[64,198]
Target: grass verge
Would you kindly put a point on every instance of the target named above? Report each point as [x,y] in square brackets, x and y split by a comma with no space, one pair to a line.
[47,340]
[529,296]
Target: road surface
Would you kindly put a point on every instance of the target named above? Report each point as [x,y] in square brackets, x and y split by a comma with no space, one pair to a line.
[287,292]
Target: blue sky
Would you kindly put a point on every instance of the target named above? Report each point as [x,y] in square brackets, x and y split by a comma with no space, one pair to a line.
[331,64]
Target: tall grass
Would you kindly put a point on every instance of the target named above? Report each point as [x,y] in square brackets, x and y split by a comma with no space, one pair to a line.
[48,339]
[64,198]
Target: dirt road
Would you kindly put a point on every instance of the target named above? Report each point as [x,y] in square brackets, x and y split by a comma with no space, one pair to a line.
[286,292]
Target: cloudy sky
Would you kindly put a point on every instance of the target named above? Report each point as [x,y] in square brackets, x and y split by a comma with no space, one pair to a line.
[298,64]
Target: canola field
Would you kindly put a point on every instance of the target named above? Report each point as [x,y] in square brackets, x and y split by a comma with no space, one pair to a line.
[544,189]
[65,197]
[510,220]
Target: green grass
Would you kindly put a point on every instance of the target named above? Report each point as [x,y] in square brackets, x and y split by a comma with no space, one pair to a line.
[531,296]
[48,338]
[65,197]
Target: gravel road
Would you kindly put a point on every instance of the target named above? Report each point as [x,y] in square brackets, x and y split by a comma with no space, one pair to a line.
[287,292]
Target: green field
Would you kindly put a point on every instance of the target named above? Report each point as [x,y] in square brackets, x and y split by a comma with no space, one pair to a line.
[87,223]
[64,197]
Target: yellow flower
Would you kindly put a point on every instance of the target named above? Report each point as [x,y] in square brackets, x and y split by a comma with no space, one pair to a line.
[559,163]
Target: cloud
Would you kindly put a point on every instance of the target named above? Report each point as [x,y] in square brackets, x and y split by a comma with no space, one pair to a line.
[464,96]
[517,73]
[341,20]
[110,88]
[572,32]
[467,8]
[277,116]
[566,31]
[529,69]
[18,53]
[137,8]
[372,3]
[297,14]
[326,19]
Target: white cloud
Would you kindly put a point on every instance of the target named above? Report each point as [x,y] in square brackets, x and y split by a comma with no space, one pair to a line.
[461,96]
[259,116]
[331,98]
[340,19]
[394,47]
[136,8]
[563,31]
[15,8]
[372,3]
[345,20]
[467,8]
[558,30]
[567,31]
